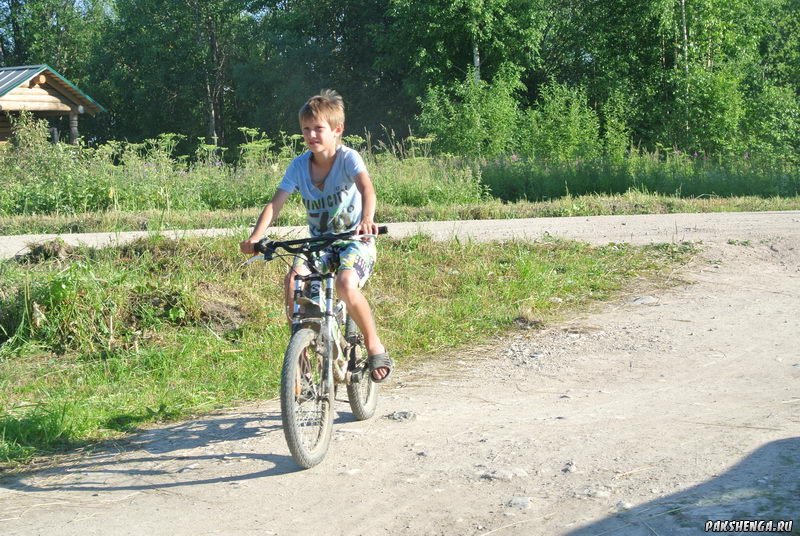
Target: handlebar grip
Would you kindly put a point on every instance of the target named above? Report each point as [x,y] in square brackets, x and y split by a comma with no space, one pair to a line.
[383,229]
[261,246]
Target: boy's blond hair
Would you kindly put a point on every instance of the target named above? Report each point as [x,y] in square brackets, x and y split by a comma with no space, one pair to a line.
[328,105]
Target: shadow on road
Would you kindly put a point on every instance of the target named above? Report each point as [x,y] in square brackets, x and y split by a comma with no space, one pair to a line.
[764,485]
[204,432]
[199,452]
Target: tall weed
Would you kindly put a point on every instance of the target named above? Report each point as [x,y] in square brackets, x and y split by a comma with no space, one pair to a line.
[418,182]
[673,173]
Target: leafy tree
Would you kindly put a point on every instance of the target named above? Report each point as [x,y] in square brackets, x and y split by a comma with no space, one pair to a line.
[712,76]
[437,41]
[616,133]
[779,44]
[304,46]
[56,32]
[166,66]
[772,125]
[686,66]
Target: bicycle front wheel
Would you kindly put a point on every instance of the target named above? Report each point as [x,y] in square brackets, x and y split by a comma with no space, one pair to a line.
[306,403]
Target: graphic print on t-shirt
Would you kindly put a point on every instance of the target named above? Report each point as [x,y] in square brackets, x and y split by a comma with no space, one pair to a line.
[328,214]
[337,208]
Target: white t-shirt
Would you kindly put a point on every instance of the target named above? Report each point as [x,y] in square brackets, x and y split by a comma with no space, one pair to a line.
[337,207]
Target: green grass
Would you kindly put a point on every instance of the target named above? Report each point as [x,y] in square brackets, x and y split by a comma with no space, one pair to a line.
[99,343]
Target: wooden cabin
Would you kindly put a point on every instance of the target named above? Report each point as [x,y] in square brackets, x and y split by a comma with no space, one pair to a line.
[40,90]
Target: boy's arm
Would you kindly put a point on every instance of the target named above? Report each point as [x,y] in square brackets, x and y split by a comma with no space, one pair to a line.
[368,202]
[268,215]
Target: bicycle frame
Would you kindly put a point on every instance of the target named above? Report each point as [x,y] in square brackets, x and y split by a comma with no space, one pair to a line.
[326,323]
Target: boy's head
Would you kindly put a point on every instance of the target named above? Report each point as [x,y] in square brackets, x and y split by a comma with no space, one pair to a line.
[328,105]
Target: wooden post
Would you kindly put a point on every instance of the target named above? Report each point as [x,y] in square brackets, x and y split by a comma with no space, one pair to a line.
[73,128]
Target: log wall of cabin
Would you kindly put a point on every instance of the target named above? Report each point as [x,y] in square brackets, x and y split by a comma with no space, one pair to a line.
[39,98]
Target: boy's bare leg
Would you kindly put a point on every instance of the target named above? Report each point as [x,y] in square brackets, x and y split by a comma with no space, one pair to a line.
[360,312]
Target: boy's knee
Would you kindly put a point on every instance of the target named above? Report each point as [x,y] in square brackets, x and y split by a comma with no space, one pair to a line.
[346,281]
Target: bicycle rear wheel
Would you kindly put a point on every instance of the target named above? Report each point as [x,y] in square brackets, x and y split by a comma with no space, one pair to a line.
[362,395]
[306,407]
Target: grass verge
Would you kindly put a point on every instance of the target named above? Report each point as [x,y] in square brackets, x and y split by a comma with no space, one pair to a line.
[94,343]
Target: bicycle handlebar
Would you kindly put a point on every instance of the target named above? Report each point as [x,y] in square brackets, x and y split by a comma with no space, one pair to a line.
[306,245]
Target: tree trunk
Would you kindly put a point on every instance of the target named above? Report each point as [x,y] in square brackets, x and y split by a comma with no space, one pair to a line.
[215,83]
[213,71]
[685,59]
[476,61]
[211,125]
[19,47]
[218,56]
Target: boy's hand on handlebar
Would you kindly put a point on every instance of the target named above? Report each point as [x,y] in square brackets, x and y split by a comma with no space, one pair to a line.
[248,246]
[367,227]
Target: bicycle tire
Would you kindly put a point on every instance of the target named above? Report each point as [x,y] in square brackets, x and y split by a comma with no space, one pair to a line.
[306,413]
[362,395]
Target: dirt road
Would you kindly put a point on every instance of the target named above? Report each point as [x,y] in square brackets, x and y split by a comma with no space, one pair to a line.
[644,229]
[650,415]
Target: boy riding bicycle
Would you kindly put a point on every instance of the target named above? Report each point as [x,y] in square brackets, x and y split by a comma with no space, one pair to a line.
[338,195]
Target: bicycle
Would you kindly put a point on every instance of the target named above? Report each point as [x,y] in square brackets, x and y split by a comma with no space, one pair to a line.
[325,350]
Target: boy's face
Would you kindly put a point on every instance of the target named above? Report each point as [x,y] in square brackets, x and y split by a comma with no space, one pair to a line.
[318,134]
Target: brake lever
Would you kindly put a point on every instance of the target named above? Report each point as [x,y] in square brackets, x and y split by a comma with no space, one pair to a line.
[364,236]
[263,252]
[253,259]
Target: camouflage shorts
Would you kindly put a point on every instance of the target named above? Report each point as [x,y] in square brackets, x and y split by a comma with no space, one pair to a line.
[353,255]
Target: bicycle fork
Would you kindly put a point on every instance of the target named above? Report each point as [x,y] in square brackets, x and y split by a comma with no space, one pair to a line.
[334,359]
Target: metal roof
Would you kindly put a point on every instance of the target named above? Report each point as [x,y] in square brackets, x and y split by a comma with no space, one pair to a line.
[13,77]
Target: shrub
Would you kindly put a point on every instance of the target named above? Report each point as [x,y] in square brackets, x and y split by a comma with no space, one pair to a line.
[562,128]
[473,118]
[772,125]
[706,114]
